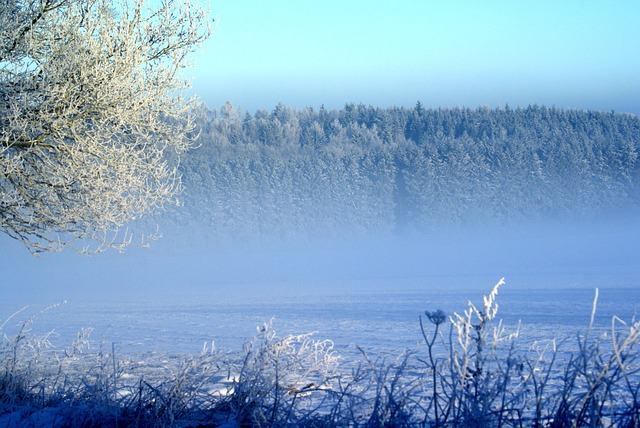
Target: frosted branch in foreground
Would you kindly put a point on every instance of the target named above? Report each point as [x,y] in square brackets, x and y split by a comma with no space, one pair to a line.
[92,122]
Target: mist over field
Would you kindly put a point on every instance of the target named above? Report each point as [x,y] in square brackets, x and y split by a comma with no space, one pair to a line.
[588,255]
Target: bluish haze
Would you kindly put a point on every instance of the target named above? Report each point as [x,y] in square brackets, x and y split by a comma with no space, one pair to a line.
[569,54]
[581,255]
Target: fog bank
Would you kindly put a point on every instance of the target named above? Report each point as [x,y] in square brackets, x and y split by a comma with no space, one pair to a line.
[585,254]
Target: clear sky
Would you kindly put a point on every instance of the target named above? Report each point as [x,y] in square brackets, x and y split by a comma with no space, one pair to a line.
[445,53]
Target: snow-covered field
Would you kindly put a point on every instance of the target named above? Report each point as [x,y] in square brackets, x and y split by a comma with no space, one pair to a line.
[376,321]
[200,348]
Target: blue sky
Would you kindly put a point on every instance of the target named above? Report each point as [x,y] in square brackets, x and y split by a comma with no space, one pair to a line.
[568,53]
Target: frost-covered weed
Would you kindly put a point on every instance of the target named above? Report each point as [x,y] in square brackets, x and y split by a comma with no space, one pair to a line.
[21,360]
[600,385]
[485,377]
[281,379]
[41,385]
[479,374]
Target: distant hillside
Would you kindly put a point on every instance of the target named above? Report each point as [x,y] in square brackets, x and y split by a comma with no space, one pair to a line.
[307,172]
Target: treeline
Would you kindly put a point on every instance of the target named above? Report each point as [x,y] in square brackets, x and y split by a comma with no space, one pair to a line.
[289,172]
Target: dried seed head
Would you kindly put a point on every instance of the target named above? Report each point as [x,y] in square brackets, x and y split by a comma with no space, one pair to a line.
[436,317]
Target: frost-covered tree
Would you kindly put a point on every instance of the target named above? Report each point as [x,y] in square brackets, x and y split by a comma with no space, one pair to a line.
[92,120]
